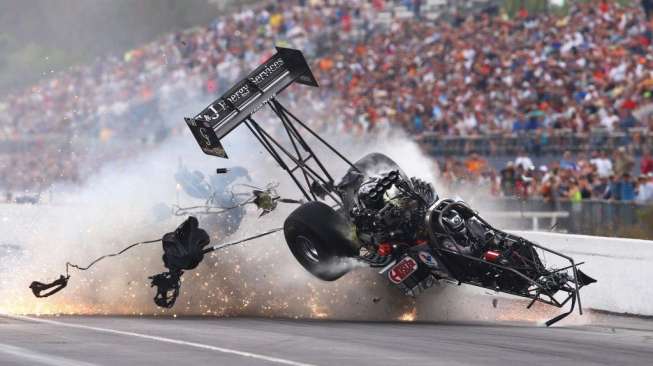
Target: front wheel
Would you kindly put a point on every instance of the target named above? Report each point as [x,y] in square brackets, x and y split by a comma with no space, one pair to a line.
[318,237]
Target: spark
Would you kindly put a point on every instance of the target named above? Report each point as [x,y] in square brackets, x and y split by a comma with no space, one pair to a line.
[408,316]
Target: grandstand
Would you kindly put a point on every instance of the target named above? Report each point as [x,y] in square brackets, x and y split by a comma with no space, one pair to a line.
[462,77]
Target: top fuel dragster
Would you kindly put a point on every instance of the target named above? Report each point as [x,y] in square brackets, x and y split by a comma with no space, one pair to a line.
[375,214]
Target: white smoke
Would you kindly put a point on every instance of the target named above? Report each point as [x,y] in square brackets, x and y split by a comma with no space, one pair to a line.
[260,278]
[115,208]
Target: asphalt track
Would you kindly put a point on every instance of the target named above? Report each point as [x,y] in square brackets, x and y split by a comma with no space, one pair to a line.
[82,341]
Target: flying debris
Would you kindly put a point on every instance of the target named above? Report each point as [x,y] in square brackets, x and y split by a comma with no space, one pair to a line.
[183,250]
[221,194]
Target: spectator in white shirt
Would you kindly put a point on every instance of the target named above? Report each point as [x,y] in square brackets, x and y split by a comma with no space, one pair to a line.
[645,190]
[523,160]
[602,163]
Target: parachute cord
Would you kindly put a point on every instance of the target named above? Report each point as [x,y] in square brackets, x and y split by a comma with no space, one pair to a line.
[80,268]
[40,289]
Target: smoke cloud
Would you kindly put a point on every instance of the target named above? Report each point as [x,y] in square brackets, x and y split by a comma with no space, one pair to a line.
[261,278]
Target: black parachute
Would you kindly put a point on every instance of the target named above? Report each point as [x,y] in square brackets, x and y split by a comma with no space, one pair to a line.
[183,249]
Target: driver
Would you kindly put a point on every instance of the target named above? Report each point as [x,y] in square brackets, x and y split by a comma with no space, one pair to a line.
[455,224]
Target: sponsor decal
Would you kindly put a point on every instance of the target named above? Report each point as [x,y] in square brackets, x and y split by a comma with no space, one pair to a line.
[269,70]
[402,270]
[239,94]
[242,93]
[428,259]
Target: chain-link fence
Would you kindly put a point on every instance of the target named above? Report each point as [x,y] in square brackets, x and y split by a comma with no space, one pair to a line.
[592,217]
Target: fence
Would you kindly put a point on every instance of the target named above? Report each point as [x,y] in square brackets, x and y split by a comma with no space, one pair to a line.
[536,143]
[591,217]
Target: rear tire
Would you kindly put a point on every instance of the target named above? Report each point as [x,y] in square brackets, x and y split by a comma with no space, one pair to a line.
[318,238]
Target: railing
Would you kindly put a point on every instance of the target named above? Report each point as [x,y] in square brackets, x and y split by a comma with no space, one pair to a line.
[536,143]
[534,216]
[592,217]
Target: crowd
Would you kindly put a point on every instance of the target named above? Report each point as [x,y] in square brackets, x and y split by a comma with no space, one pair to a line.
[118,102]
[599,176]
[592,69]
[460,77]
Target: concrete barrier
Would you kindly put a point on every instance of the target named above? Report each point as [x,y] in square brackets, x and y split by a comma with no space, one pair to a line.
[623,268]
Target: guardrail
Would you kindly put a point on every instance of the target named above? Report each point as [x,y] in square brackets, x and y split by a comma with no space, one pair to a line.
[591,217]
[534,216]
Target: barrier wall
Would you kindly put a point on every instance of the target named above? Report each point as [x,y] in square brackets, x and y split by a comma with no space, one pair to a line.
[622,267]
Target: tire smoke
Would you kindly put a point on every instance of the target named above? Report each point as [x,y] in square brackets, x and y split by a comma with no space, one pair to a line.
[261,278]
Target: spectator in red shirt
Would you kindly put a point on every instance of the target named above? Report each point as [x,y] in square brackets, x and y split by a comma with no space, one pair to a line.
[522,13]
[646,164]
[346,23]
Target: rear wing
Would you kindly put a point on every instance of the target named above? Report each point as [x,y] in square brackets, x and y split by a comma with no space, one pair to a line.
[247,97]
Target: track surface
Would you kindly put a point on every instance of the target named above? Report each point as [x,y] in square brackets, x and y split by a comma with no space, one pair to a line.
[77,341]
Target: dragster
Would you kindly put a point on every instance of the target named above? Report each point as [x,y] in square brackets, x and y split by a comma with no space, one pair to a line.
[374,215]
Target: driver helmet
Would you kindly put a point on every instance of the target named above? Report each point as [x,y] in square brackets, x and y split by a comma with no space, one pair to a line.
[454,221]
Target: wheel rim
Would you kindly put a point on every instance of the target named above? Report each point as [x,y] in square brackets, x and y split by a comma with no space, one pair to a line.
[308,249]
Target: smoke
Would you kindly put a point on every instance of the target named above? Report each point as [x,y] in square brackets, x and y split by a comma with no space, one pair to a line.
[115,208]
[260,278]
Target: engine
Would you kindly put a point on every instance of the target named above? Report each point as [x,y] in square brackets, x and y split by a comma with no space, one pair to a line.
[388,214]
[391,209]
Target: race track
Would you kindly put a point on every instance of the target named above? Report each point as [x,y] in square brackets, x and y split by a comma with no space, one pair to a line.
[77,341]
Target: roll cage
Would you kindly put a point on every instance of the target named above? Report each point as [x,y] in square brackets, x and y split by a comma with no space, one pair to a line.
[530,272]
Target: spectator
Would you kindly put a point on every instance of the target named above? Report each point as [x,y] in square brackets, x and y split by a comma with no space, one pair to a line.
[600,189]
[475,164]
[523,160]
[543,75]
[626,188]
[548,188]
[549,184]
[627,119]
[623,162]
[574,193]
[648,8]
[645,189]
[567,162]
[602,163]
[519,125]
[585,189]
[508,179]
[525,184]
[646,163]
[613,192]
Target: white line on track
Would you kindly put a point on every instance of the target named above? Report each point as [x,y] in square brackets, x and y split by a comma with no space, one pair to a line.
[162,339]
